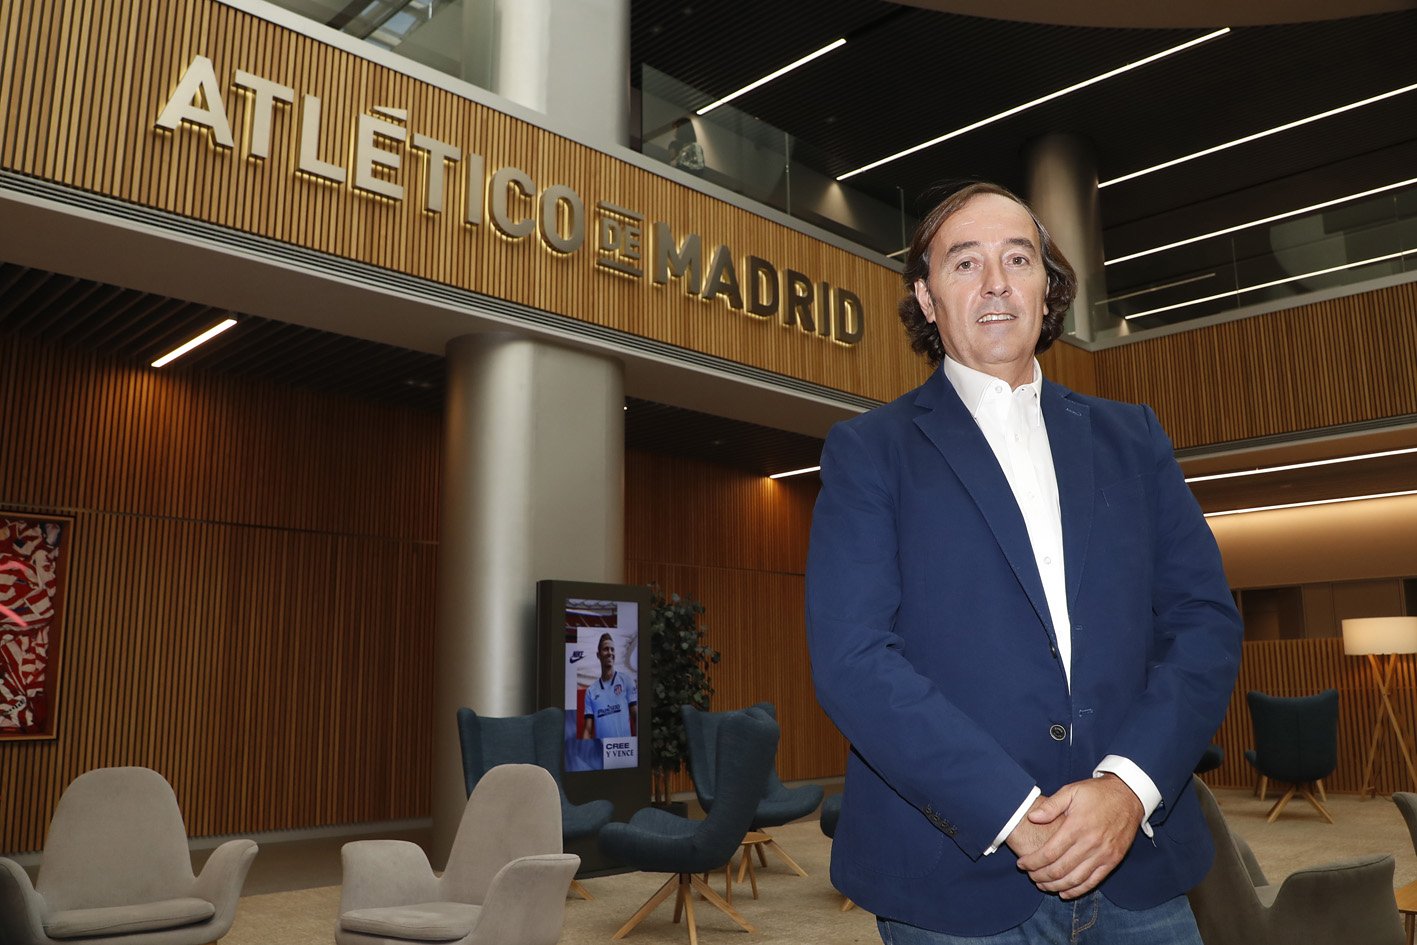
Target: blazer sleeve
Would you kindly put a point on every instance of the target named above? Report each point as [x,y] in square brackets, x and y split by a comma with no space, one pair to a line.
[909,732]
[1197,636]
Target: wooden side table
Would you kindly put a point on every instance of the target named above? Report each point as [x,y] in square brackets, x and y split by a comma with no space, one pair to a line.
[1407,905]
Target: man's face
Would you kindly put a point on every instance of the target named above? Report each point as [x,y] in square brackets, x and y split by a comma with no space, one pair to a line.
[606,653]
[987,288]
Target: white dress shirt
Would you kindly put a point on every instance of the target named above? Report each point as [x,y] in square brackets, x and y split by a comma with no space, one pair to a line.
[1012,423]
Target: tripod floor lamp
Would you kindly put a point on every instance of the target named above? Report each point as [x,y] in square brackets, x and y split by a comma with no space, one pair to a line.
[1373,637]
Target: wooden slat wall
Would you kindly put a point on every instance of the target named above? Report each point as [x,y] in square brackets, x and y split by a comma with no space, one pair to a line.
[1328,363]
[251,601]
[1070,366]
[84,82]
[737,542]
[1302,668]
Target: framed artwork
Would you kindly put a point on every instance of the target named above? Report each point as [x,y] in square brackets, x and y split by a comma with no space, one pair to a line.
[34,564]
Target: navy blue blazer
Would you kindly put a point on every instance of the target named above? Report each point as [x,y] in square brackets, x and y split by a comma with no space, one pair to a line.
[934,653]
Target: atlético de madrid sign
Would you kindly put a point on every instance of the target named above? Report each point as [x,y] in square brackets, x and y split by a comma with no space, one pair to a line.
[625,242]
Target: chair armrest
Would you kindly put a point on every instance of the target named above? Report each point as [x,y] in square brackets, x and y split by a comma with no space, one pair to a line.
[380,873]
[527,900]
[221,880]
[1252,865]
[21,908]
[1348,901]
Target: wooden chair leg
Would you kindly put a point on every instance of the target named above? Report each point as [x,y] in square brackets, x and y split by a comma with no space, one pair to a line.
[1262,788]
[717,900]
[847,904]
[580,890]
[762,857]
[1309,795]
[670,885]
[777,848]
[1279,805]
[1322,793]
[688,897]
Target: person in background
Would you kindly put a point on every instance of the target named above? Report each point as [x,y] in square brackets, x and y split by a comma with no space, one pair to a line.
[685,152]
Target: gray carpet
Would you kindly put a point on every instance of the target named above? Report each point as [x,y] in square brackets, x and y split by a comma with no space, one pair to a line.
[792,909]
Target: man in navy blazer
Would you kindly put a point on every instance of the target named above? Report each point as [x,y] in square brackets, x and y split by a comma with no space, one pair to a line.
[1018,617]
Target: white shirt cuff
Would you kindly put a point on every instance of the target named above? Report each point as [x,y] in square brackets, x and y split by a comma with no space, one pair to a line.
[1033,795]
[1136,779]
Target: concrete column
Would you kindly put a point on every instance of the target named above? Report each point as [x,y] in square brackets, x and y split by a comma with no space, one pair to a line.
[569,59]
[1062,186]
[533,488]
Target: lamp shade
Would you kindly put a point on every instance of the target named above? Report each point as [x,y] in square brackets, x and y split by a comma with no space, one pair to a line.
[1372,635]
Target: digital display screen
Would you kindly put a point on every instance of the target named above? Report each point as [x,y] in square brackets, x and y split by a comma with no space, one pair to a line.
[602,644]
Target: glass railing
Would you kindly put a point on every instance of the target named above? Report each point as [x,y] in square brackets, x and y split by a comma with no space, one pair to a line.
[740,153]
[765,164]
[1345,244]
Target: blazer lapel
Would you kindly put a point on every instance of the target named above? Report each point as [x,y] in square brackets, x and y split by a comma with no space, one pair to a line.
[950,427]
[1070,439]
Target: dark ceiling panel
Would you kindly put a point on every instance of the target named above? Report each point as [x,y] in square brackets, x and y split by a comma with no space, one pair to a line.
[908,74]
[137,327]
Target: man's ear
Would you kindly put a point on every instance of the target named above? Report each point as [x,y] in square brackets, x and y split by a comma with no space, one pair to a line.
[927,304]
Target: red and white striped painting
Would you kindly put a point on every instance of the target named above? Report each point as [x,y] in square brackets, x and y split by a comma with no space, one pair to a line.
[34,553]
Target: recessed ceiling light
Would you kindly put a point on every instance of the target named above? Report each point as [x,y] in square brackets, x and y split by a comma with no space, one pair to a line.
[1300,505]
[795,472]
[1256,136]
[1038,101]
[773,75]
[201,339]
[1307,465]
[1266,285]
[1278,216]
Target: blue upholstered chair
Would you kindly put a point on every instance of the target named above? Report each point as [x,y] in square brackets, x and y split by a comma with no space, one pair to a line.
[660,842]
[1213,757]
[534,739]
[1296,742]
[831,813]
[779,804]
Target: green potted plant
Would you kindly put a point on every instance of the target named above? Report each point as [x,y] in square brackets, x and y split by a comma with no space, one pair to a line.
[680,659]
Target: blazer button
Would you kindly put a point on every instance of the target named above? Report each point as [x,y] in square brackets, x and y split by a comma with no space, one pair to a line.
[1058,733]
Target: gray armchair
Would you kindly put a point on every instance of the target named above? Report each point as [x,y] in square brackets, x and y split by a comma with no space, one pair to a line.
[534,739]
[506,879]
[116,869]
[1350,902]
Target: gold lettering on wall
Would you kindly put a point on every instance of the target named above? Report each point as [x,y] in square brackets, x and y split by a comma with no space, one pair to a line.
[519,205]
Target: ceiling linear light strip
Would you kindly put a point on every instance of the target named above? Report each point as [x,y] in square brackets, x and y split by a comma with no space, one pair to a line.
[1153,288]
[1038,101]
[1300,505]
[796,472]
[201,339]
[1267,285]
[1305,465]
[1278,216]
[773,75]
[1256,136]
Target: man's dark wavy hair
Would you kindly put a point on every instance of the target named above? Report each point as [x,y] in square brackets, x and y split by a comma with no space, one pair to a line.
[948,199]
